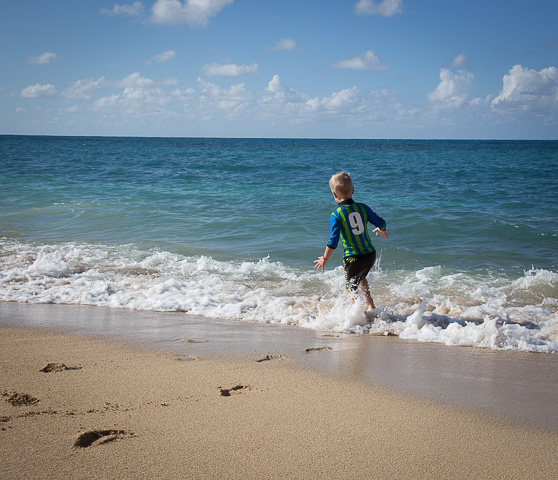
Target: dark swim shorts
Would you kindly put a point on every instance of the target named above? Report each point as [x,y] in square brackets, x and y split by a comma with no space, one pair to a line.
[357,268]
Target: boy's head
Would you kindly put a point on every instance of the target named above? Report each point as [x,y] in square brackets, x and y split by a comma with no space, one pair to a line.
[341,185]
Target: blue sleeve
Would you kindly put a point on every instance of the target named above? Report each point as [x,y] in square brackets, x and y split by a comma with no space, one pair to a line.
[374,219]
[335,228]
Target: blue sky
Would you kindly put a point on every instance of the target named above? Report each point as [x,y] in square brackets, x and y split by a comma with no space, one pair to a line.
[289,68]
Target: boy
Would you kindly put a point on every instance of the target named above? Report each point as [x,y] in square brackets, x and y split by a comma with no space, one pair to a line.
[349,222]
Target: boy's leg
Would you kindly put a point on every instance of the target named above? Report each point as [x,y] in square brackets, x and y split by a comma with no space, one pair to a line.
[364,288]
[356,270]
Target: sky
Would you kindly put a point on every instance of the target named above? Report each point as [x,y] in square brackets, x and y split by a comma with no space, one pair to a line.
[400,69]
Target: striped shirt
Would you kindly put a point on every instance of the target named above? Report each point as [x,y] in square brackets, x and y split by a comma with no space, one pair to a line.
[349,222]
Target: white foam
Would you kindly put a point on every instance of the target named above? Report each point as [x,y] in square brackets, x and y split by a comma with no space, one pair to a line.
[48,264]
[431,305]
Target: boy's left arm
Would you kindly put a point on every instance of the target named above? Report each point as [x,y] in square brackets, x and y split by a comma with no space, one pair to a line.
[378,222]
[382,233]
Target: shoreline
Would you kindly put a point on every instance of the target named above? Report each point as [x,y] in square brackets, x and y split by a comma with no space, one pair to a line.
[519,387]
[118,410]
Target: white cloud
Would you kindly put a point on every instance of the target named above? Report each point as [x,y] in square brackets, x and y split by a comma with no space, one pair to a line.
[43,59]
[192,12]
[452,90]
[144,95]
[342,100]
[38,90]
[460,61]
[386,8]
[276,86]
[231,99]
[133,10]
[170,81]
[78,91]
[135,80]
[277,91]
[135,101]
[286,101]
[162,57]
[80,88]
[366,61]
[139,96]
[73,109]
[525,89]
[183,94]
[481,102]
[142,100]
[106,102]
[229,70]
[276,107]
[283,44]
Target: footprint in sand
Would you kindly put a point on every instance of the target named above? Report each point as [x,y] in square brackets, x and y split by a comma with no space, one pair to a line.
[227,392]
[19,399]
[186,358]
[385,333]
[57,367]
[317,349]
[4,419]
[99,437]
[272,356]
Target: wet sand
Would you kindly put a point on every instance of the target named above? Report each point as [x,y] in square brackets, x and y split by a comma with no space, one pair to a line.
[521,387]
[145,395]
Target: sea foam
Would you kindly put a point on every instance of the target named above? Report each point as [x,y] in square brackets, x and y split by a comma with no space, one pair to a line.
[484,309]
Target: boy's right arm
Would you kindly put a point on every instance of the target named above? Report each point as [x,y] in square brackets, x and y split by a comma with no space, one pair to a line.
[335,233]
[320,263]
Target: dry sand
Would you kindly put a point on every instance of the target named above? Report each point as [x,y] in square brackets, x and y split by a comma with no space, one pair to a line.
[79,407]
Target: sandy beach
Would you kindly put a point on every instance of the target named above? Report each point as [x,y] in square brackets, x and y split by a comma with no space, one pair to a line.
[81,406]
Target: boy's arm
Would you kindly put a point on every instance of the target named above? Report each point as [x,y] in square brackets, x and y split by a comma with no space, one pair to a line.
[378,222]
[335,233]
[320,263]
[381,232]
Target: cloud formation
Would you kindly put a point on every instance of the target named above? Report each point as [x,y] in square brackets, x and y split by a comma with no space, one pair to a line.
[135,80]
[460,61]
[525,90]
[133,10]
[283,44]
[191,12]
[231,100]
[162,57]
[229,70]
[385,8]
[452,90]
[43,59]
[343,100]
[81,90]
[38,90]
[366,61]
[159,103]
[77,91]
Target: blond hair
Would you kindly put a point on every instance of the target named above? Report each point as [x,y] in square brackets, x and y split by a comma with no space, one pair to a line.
[342,184]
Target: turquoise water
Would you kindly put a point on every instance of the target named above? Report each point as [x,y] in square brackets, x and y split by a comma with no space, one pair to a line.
[230,228]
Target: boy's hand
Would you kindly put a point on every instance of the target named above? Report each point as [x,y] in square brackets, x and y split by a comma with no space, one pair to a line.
[382,233]
[320,264]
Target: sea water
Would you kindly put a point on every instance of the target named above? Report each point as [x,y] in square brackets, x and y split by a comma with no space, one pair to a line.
[229,228]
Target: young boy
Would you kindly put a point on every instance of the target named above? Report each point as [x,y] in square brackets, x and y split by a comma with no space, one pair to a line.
[349,222]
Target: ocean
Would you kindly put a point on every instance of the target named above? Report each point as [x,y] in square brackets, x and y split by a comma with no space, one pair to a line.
[229,229]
